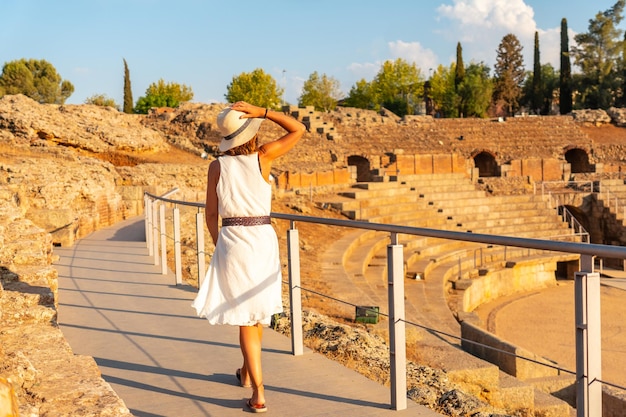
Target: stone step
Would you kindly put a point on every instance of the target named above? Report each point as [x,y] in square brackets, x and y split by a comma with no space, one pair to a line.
[532,211]
[395,211]
[385,192]
[562,386]
[503,220]
[487,205]
[380,214]
[548,405]
[514,394]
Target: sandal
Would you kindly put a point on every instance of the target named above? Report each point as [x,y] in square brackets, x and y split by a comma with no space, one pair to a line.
[238,375]
[254,408]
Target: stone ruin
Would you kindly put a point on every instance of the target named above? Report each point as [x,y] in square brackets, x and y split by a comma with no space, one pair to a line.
[61,177]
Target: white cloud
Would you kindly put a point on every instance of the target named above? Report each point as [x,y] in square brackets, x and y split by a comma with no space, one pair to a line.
[550,47]
[508,15]
[480,26]
[414,52]
[365,71]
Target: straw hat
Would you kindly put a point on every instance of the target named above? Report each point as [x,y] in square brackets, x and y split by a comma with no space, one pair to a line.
[236,131]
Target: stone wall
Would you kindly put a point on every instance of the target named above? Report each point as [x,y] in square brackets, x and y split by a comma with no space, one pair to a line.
[35,360]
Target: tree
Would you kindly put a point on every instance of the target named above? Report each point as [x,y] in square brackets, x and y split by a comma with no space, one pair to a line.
[541,96]
[565,75]
[361,95]
[321,92]
[442,92]
[255,87]
[398,86]
[537,93]
[622,101]
[598,53]
[128,92]
[101,100]
[460,67]
[162,94]
[459,75]
[37,79]
[509,74]
[475,90]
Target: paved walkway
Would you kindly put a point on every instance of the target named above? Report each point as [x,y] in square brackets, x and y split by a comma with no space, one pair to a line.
[115,305]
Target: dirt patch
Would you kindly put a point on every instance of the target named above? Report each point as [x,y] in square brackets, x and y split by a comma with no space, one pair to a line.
[606,134]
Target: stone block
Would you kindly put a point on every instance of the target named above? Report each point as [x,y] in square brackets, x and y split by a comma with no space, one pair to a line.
[442,164]
[324,178]
[405,164]
[532,167]
[459,163]
[294,179]
[308,179]
[552,170]
[423,164]
[342,176]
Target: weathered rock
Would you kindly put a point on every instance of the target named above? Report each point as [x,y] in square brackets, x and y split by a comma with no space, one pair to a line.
[618,116]
[36,363]
[88,127]
[594,117]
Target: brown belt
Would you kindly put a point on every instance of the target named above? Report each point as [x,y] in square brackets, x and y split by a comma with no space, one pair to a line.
[246,221]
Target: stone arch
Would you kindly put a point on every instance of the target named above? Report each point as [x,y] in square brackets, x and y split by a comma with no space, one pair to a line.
[362,167]
[486,163]
[578,160]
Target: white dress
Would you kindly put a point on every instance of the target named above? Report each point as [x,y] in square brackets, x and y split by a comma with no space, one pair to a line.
[243,283]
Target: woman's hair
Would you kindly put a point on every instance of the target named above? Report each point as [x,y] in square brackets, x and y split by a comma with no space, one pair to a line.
[247,148]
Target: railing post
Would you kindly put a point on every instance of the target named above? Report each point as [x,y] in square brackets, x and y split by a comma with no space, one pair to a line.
[295,291]
[588,340]
[163,239]
[178,264]
[155,232]
[397,331]
[148,214]
[200,244]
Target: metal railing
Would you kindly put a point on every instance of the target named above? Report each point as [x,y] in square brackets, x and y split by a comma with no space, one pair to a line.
[587,289]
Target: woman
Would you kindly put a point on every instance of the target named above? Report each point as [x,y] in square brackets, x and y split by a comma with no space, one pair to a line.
[243,283]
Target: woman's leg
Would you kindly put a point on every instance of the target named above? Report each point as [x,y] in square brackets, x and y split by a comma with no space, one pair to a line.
[250,338]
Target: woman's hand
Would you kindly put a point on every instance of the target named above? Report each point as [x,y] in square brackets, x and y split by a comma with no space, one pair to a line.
[249,109]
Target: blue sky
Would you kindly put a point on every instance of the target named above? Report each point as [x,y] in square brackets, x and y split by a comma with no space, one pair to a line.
[204,44]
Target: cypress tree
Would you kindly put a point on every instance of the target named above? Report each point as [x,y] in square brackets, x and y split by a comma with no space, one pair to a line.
[128,93]
[565,77]
[623,97]
[537,99]
[460,67]
[459,75]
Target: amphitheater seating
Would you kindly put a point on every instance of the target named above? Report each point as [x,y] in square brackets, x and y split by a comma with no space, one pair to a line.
[551,131]
[441,201]
[438,266]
